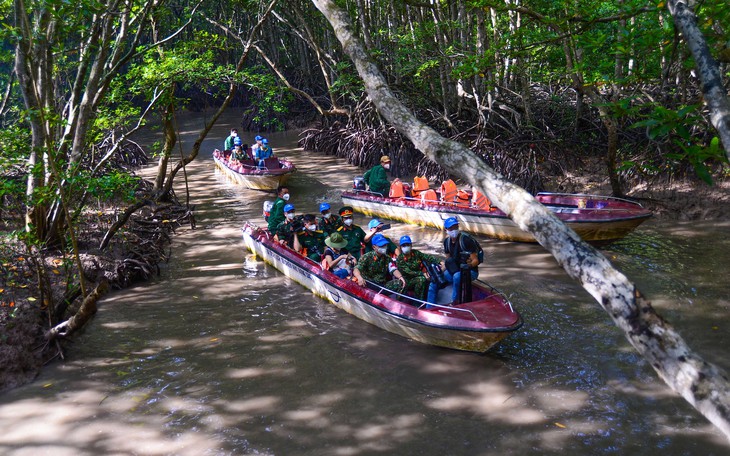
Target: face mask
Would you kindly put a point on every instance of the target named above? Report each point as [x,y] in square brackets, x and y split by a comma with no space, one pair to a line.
[348,222]
[285,197]
[452,233]
[312,227]
[406,249]
[290,215]
[386,166]
[381,250]
[327,215]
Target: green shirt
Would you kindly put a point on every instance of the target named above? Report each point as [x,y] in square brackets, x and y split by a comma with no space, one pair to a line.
[354,235]
[329,225]
[410,266]
[377,179]
[276,215]
[374,267]
[313,241]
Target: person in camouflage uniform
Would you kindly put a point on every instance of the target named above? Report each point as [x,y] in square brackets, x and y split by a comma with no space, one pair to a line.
[329,222]
[353,234]
[376,267]
[311,239]
[410,264]
[286,230]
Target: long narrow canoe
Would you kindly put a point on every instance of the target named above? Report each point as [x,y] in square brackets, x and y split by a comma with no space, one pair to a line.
[595,218]
[474,326]
[274,173]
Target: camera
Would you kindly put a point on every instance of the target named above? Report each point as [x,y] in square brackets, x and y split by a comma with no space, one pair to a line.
[384,226]
[297,225]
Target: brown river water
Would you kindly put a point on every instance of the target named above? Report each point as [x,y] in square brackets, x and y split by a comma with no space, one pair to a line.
[224,355]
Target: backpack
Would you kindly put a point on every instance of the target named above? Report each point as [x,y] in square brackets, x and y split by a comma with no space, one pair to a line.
[462,247]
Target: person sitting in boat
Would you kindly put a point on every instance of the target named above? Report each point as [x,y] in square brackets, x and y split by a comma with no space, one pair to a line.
[256,144]
[336,258]
[239,153]
[374,227]
[461,250]
[353,234]
[328,222]
[263,152]
[378,267]
[229,142]
[311,239]
[411,264]
[376,177]
[276,215]
[286,231]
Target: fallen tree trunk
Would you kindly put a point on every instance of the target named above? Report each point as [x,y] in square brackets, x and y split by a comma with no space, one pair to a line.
[84,314]
[702,384]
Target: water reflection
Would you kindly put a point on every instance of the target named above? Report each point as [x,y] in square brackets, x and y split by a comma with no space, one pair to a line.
[224,355]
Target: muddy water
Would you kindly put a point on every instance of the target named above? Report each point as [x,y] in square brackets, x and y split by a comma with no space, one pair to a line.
[224,355]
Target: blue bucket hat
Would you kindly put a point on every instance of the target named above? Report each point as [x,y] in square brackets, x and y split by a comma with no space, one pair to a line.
[258,138]
[405,240]
[373,223]
[449,222]
[324,207]
[288,208]
[380,240]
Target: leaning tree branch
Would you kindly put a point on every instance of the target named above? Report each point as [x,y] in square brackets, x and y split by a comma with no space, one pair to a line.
[703,385]
[709,71]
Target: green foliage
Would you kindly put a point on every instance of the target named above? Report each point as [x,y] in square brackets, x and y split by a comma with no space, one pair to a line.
[679,129]
[115,186]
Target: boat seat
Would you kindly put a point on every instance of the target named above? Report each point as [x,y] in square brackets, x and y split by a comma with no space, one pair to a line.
[248,163]
[429,196]
[272,163]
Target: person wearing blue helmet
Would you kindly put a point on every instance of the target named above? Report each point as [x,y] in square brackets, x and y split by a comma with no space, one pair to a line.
[377,267]
[286,231]
[256,144]
[328,222]
[462,254]
[374,227]
[411,263]
[277,210]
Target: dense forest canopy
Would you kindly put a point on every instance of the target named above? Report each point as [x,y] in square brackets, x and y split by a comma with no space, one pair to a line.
[525,85]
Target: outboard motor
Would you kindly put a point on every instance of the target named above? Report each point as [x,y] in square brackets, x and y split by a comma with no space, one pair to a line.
[267,209]
[358,183]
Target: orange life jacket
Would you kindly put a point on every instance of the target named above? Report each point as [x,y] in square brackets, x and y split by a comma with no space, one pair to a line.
[480,201]
[396,189]
[420,184]
[429,196]
[463,198]
[448,191]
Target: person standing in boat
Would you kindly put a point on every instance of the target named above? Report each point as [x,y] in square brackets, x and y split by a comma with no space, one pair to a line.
[376,177]
[276,215]
[374,227]
[353,234]
[311,239]
[411,264]
[461,250]
[229,142]
[336,258]
[328,222]
[286,231]
[378,267]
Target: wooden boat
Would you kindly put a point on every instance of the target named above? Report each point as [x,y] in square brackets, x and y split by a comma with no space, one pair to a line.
[595,218]
[274,173]
[474,326]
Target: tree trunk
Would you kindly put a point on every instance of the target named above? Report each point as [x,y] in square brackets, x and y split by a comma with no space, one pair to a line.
[699,382]
[707,68]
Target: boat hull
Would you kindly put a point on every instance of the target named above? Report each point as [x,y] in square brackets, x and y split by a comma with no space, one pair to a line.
[591,224]
[257,179]
[434,327]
